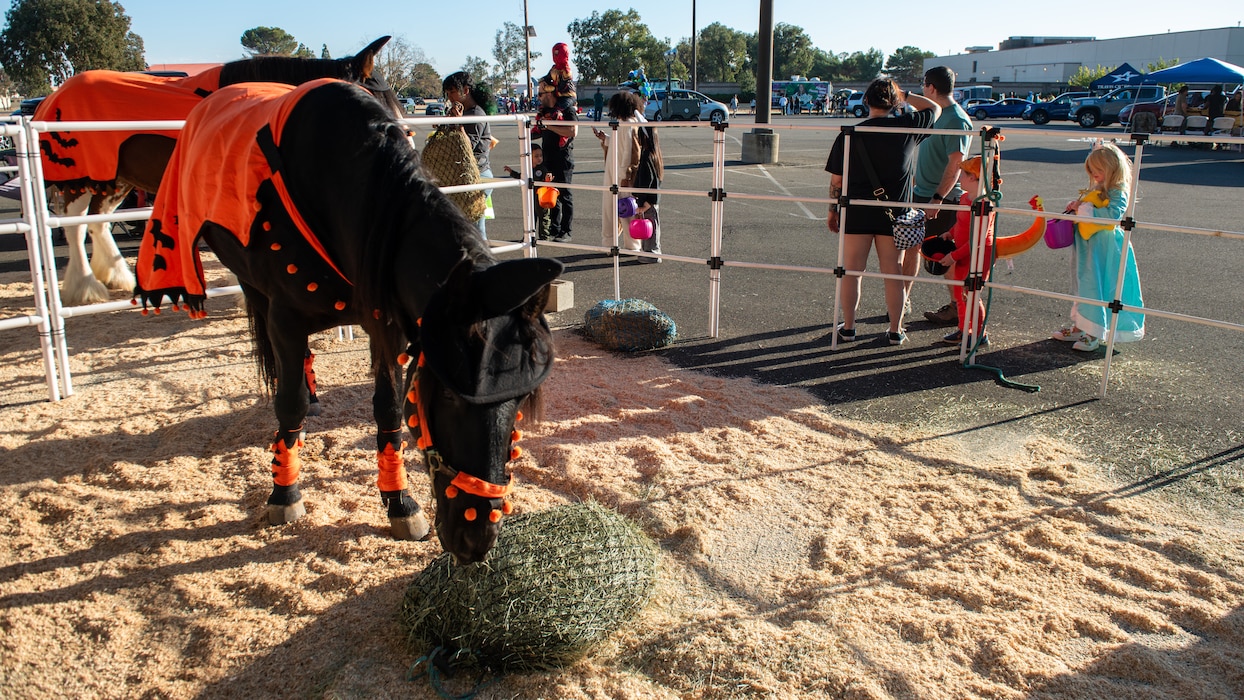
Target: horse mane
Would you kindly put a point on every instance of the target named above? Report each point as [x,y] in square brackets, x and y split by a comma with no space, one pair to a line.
[286,69]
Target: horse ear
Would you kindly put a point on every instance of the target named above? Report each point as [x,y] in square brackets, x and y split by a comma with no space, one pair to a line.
[364,62]
[506,286]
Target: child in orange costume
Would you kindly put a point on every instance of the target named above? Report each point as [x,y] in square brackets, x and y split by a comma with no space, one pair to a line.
[960,260]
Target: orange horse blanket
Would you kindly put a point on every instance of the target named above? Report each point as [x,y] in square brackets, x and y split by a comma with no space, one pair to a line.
[89,158]
[213,177]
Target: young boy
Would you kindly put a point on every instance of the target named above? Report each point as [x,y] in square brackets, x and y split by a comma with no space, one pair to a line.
[959,262]
[538,174]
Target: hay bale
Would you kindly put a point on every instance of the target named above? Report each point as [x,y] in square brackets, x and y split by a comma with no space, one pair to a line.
[629,325]
[555,585]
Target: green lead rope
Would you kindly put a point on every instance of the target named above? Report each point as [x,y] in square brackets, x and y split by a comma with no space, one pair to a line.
[440,662]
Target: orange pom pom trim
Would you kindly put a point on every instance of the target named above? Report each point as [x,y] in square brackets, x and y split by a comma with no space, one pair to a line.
[507,507]
[291,268]
[469,514]
[494,515]
[275,246]
[451,491]
[312,287]
[340,306]
[516,452]
[403,358]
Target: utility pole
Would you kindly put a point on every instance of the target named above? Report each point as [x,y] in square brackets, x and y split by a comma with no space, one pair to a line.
[695,76]
[760,145]
[528,32]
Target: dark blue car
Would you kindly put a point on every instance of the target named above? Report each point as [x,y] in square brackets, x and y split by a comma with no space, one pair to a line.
[1057,108]
[1010,107]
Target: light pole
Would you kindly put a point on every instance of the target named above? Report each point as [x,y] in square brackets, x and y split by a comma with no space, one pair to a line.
[695,81]
[669,82]
[528,32]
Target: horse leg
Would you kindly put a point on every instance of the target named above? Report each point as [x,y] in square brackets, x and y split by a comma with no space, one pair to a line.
[107,262]
[290,403]
[308,371]
[78,286]
[406,518]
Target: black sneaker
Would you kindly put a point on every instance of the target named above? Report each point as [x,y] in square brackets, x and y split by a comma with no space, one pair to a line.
[896,338]
[952,338]
[845,335]
[946,315]
[562,238]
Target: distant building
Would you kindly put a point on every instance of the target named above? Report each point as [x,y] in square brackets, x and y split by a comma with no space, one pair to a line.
[1053,60]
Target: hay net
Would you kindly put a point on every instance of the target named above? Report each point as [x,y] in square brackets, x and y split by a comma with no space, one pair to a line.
[630,325]
[554,586]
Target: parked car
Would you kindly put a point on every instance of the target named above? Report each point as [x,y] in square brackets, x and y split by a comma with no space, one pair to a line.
[856,106]
[434,109]
[1057,108]
[27,107]
[1091,112]
[1009,107]
[974,102]
[686,105]
[1163,107]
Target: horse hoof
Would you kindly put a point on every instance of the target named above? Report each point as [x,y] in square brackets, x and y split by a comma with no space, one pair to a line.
[413,527]
[280,515]
[313,409]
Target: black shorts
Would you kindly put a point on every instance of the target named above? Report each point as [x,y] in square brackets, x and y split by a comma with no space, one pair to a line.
[945,218]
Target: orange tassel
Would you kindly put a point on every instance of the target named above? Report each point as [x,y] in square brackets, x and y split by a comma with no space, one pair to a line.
[507,507]
[515,436]
[451,491]
[275,246]
[340,306]
[291,268]
[519,416]
[469,514]
[494,515]
[312,287]
[411,397]
[413,422]
[516,452]
[403,359]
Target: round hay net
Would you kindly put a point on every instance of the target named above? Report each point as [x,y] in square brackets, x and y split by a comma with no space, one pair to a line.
[1144,123]
[448,157]
[629,325]
[555,585]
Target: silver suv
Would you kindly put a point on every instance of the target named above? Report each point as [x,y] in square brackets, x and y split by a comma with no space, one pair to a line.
[1095,111]
[686,105]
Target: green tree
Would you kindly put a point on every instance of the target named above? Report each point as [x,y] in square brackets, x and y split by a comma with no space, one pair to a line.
[269,41]
[722,53]
[424,80]
[480,69]
[1085,75]
[862,65]
[1160,64]
[324,52]
[906,64]
[44,42]
[303,51]
[826,66]
[510,53]
[607,47]
[793,53]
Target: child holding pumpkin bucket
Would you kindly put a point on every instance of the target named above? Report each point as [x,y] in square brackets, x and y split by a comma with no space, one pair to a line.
[959,260]
[648,176]
[1099,249]
[538,174]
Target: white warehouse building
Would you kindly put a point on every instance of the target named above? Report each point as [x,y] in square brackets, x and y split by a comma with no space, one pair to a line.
[1053,60]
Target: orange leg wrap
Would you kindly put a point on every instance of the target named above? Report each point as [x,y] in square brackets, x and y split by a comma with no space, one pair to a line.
[308,368]
[285,463]
[392,469]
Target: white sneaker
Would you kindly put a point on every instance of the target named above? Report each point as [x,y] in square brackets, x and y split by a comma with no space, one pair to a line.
[1069,334]
[1087,344]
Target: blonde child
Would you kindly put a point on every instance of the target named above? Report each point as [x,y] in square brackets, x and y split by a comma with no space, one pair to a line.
[960,259]
[1098,251]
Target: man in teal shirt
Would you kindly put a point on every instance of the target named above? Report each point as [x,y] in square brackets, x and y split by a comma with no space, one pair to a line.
[937,173]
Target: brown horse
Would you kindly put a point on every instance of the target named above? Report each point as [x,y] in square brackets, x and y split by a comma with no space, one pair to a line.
[91,172]
[379,246]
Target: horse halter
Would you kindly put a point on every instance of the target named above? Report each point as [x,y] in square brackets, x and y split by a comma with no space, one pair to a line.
[459,481]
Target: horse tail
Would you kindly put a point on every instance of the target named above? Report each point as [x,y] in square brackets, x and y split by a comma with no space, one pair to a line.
[261,342]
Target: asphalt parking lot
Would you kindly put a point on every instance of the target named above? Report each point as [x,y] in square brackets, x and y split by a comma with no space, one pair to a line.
[1172,414]
[1173,407]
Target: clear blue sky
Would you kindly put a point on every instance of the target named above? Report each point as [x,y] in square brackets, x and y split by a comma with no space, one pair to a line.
[202,32]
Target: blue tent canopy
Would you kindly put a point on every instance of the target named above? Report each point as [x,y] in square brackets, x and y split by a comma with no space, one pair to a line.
[1202,70]
[1123,75]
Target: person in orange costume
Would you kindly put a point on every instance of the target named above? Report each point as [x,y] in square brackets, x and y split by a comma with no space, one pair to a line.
[959,261]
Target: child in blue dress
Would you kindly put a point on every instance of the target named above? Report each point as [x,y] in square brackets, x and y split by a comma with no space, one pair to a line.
[1098,251]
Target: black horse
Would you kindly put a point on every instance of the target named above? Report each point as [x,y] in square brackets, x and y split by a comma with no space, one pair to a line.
[377,245]
[93,171]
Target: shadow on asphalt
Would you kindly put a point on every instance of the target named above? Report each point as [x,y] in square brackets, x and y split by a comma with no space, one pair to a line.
[867,369]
